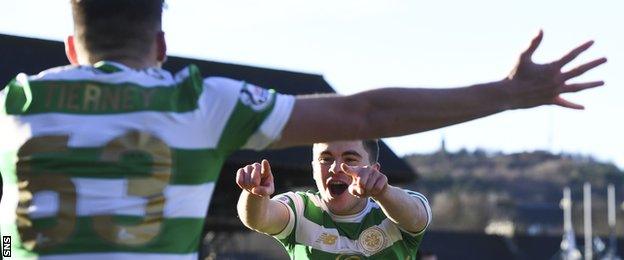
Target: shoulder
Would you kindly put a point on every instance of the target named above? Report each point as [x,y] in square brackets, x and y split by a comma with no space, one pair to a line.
[249,94]
[62,72]
[287,197]
[417,195]
[301,200]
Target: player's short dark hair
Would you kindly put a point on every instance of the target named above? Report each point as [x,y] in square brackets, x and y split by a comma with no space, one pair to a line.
[117,27]
[372,148]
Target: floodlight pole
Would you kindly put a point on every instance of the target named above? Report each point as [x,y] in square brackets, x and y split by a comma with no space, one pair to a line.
[587,221]
[568,243]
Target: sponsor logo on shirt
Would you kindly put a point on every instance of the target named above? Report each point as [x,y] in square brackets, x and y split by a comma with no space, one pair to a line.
[327,239]
[372,240]
[283,199]
[255,97]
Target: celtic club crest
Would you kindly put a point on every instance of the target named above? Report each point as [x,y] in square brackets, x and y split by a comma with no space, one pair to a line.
[372,240]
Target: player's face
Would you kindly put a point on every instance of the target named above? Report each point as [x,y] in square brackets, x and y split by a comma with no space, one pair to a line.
[331,181]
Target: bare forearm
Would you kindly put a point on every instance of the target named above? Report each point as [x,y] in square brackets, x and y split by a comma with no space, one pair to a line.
[261,213]
[403,209]
[393,112]
[252,210]
[390,112]
[399,111]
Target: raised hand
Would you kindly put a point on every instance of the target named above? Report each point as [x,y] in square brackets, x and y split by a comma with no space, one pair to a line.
[540,84]
[256,178]
[366,181]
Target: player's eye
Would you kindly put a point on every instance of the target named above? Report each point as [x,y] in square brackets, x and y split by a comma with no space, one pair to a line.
[351,160]
[326,160]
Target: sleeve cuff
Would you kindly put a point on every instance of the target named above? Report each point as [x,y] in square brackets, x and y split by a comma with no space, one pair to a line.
[290,226]
[271,128]
[425,203]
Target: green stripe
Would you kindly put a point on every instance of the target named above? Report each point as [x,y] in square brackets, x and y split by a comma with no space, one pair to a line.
[410,240]
[92,97]
[196,166]
[243,122]
[177,235]
[16,100]
[188,166]
[106,67]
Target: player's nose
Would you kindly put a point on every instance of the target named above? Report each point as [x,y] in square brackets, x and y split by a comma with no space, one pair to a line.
[335,167]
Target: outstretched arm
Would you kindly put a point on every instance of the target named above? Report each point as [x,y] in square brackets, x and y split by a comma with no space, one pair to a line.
[407,211]
[410,212]
[255,208]
[399,111]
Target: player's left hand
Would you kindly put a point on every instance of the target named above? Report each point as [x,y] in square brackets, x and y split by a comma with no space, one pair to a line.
[366,181]
[541,84]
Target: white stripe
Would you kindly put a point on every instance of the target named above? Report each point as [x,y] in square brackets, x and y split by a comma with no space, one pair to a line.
[298,201]
[271,128]
[198,129]
[189,201]
[425,204]
[106,196]
[291,217]
[308,233]
[109,256]
[219,99]
[45,204]
[297,214]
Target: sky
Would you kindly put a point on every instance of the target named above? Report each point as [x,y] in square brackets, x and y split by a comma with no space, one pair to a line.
[359,45]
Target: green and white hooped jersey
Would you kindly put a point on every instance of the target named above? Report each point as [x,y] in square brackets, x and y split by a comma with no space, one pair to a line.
[108,162]
[315,233]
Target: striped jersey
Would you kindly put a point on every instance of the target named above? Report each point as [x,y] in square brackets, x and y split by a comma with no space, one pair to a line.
[109,162]
[313,232]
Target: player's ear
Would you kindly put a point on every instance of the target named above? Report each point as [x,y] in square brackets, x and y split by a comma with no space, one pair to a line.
[70,50]
[161,47]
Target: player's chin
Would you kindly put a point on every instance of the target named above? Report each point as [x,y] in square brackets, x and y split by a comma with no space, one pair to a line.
[340,197]
[341,204]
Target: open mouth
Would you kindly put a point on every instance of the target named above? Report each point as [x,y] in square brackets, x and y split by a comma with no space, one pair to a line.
[337,188]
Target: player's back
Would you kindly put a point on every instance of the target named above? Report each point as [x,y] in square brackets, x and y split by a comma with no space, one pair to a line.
[112,162]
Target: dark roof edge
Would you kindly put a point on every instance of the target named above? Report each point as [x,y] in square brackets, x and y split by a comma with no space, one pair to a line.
[193,60]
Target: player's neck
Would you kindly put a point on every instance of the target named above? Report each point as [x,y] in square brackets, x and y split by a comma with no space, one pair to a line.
[131,61]
[355,209]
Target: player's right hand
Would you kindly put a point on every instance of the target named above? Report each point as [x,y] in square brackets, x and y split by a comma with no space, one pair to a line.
[256,178]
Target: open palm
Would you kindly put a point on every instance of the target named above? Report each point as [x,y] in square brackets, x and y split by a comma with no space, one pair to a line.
[541,84]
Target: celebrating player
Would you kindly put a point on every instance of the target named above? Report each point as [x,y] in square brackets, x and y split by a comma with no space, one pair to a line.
[354,214]
[115,157]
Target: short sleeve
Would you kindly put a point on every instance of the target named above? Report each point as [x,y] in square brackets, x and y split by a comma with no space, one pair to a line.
[253,117]
[414,239]
[294,203]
